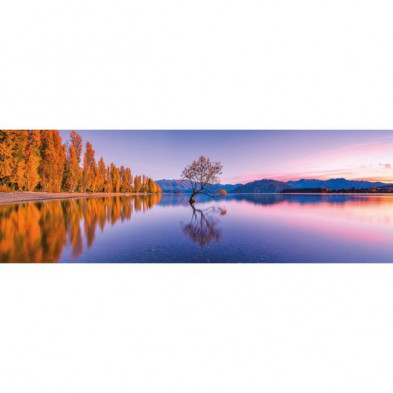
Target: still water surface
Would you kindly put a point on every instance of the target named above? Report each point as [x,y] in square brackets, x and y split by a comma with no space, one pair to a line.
[165,228]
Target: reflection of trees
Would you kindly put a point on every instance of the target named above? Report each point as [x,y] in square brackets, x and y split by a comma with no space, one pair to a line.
[38,232]
[204,226]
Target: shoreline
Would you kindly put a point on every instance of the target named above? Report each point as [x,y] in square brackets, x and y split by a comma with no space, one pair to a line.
[7,198]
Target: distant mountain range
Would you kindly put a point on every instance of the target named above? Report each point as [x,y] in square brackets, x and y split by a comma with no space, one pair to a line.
[185,186]
[272,186]
[268,185]
[335,184]
[261,187]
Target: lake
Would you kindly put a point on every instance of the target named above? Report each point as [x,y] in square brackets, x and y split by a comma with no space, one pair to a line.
[255,228]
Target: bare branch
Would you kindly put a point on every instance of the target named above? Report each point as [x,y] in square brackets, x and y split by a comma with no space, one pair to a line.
[202,174]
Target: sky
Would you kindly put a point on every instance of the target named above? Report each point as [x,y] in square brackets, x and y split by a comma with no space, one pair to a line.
[249,155]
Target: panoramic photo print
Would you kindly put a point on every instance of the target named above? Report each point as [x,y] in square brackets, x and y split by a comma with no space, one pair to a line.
[196,196]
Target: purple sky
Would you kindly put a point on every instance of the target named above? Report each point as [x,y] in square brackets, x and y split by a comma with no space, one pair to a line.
[250,155]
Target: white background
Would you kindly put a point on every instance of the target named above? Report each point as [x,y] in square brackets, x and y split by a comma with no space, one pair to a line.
[201,64]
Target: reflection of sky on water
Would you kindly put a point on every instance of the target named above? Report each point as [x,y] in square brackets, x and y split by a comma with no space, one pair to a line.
[239,228]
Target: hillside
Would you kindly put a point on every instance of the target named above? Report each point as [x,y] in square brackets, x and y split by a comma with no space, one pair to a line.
[334,184]
[185,186]
[273,186]
[262,186]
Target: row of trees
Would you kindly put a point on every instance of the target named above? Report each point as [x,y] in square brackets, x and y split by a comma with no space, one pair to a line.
[38,160]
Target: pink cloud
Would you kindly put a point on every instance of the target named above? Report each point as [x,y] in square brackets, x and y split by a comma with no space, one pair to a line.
[386,166]
[318,165]
[359,149]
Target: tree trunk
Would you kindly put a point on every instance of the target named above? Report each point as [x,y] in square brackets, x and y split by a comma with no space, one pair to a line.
[192,199]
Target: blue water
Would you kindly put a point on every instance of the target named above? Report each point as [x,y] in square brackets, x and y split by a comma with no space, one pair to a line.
[255,228]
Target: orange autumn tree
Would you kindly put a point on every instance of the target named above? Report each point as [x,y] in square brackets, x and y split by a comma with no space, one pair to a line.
[115,178]
[33,159]
[19,162]
[76,142]
[6,155]
[38,160]
[101,183]
[73,171]
[152,187]
[108,180]
[73,175]
[89,169]
[125,179]
[19,158]
[12,159]
[52,161]
[137,184]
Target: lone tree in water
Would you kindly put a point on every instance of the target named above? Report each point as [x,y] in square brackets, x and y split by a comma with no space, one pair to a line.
[202,174]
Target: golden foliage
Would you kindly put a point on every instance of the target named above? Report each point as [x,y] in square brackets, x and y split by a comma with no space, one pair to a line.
[52,161]
[38,232]
[38,160]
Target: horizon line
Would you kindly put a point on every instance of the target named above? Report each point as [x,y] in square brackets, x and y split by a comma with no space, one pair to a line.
[287,181]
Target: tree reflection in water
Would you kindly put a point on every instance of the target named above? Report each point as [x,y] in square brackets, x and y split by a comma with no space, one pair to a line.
[38,232]
[204,226]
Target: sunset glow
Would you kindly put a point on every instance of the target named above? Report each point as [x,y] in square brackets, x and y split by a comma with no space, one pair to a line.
[252,155]
[75,196]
